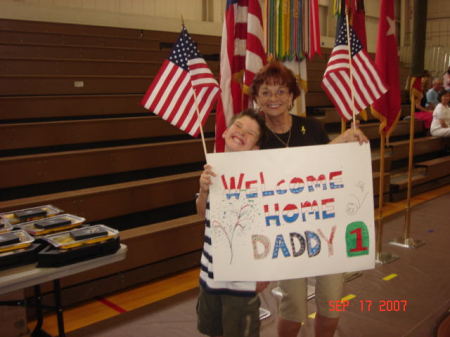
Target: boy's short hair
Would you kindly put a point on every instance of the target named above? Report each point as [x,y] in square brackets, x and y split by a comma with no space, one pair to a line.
[258,118]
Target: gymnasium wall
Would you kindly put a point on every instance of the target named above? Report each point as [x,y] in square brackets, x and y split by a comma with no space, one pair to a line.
[201,16]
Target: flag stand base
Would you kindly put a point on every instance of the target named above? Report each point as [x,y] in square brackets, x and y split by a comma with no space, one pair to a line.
[407,243]
[384,258]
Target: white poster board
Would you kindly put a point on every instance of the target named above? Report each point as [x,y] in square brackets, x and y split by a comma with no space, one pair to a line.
[294,212]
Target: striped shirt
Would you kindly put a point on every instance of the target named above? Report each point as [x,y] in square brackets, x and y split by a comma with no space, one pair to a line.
[237,288]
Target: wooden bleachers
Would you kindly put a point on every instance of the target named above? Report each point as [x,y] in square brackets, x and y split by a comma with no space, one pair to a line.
[74,135]
[20,108]
[56,166]
[42,134]
[427,149]
[427,174]
[108,201]
[423,145]
[396,155]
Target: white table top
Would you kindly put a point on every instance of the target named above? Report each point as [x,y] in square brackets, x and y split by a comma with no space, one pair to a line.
[26,276]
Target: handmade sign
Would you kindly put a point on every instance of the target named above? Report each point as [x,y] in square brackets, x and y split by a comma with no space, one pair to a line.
[294,212]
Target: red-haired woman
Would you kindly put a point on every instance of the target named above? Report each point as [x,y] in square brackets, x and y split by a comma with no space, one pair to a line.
[274,90]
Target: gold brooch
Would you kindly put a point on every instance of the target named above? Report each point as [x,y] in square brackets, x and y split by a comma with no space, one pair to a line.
[303,130]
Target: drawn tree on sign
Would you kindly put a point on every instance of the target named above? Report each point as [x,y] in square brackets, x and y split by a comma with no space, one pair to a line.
[230,228]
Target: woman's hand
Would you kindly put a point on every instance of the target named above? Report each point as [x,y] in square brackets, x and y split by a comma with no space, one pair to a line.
[354,134]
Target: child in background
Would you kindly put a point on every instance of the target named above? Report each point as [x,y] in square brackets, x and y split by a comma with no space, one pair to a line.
[228,309]
[440,126]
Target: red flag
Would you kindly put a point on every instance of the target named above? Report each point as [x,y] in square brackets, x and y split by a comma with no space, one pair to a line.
[314,31]
[387,108]
[366,85]
[183,84]
[359,21]
[242,55]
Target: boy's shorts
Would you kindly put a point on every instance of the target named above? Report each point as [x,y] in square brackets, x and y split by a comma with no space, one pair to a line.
[228,315]
[293,304]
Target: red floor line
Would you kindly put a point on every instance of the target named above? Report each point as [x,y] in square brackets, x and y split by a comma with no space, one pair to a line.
[111,305]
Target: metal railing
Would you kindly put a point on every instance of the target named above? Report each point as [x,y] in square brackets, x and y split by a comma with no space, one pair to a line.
[437,59]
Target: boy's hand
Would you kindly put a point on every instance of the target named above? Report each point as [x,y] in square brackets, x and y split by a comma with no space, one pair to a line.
[205,179]
[260,286]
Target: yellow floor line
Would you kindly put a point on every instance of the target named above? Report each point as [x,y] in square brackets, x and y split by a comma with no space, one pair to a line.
[389,277]
[348,297]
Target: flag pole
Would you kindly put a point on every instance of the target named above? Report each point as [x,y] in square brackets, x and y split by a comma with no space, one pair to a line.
[343,125]
[406,241]
[201,127]
[350,64]
[380,256]
[379,235]
[410,165]
[417,67]
[198,112]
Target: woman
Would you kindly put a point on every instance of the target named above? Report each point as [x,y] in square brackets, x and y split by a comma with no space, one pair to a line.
[440,127]
[446,79]
[422,113]
[274,90]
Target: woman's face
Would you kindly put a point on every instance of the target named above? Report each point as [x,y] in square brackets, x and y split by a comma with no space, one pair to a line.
[274,99]
[445,99]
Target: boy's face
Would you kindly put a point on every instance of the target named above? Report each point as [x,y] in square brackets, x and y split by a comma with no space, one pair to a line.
[242,135]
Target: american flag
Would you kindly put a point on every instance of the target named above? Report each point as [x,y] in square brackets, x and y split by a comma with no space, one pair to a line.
[367,84]
[242,55]
[183,84]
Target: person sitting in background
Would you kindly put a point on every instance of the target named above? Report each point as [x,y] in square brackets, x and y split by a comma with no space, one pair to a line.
[446,79]
[440,126]
[421,112]
[433,92]
[426,81]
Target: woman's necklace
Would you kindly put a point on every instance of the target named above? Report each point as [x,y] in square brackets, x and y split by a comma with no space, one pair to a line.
[285,143]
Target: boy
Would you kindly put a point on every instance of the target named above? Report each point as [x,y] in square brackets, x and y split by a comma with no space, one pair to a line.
[228,309]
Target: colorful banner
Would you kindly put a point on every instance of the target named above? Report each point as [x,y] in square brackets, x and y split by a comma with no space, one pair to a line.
[311,215]
[292,29]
